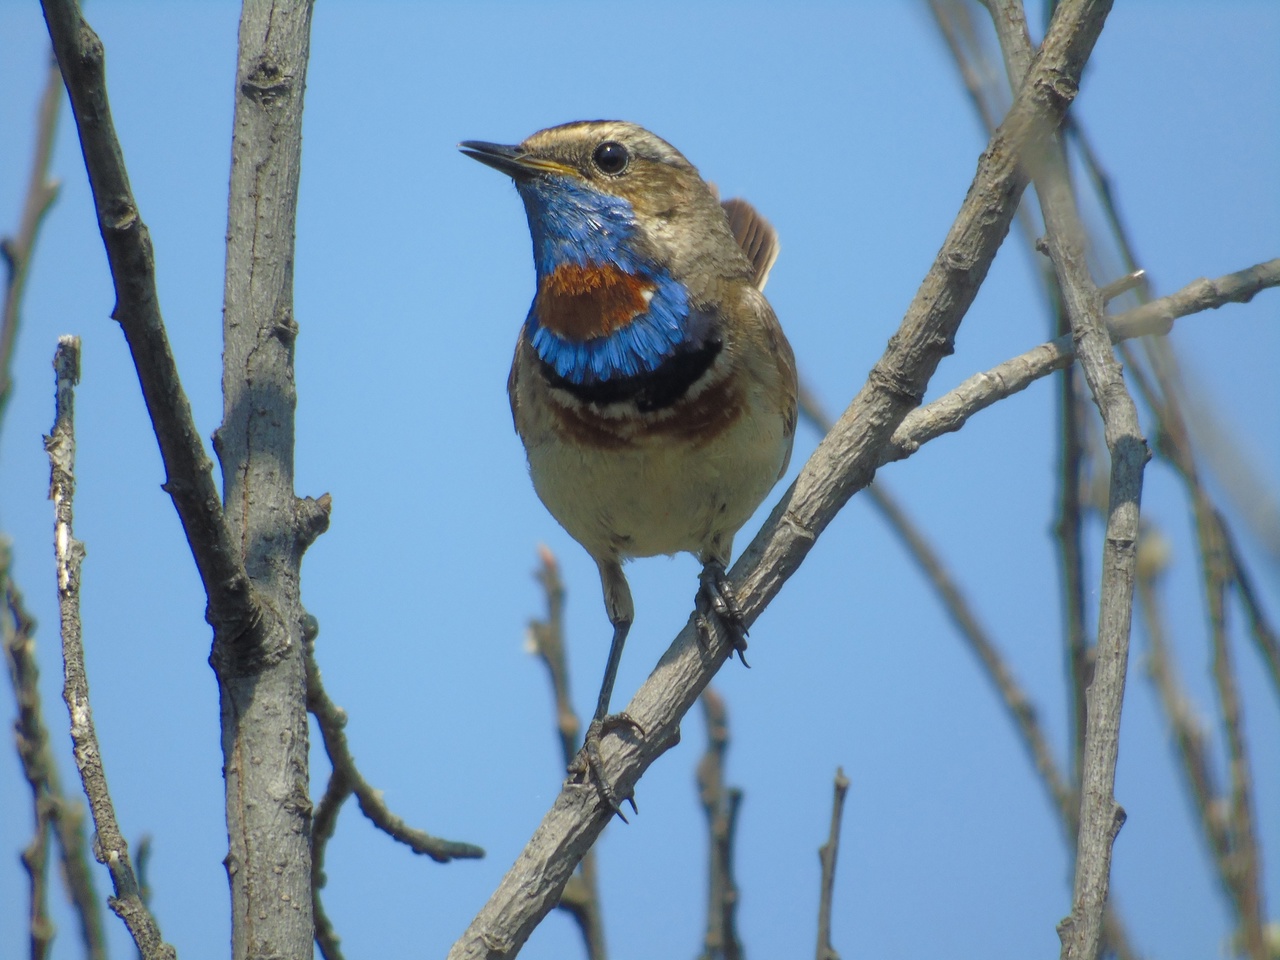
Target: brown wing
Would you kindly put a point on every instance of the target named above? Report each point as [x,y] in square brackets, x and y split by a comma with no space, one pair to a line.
[756,237]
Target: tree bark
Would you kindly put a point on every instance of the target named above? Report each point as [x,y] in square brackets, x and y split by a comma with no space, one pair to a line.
[263,683]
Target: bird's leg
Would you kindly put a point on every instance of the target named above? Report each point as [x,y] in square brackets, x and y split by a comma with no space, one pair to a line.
[716,598]
[588,764]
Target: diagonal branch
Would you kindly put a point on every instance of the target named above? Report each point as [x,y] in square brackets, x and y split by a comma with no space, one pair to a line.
[843,463]
[110,847]
[189,472]
[952,410]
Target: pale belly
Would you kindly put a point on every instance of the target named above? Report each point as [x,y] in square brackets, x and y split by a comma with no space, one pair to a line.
[659,494]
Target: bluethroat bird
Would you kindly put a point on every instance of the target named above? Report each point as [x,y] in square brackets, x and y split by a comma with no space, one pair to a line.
[652,386]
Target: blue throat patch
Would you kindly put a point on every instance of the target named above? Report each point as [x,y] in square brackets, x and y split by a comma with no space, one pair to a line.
[572,224]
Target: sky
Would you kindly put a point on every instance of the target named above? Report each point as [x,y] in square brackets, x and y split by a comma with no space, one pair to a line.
[846,126]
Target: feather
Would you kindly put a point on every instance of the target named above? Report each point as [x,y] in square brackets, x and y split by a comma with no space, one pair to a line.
[756,237]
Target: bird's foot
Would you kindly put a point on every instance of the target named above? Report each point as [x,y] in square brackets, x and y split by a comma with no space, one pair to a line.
[588,766]
[717,599]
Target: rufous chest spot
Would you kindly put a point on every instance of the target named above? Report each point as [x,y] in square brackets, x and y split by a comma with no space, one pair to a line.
[580,303]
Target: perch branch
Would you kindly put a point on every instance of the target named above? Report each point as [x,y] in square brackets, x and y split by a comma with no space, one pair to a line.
[827,856]
[110,847]
[842,464]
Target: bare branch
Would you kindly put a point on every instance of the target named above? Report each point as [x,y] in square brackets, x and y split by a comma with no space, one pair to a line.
[1231,826]
[951,411]
[1188,735]
[1100,815]
[581,896]
[1245,872]
[17,250]
[17,629]
[110,847]
[189,477]
[332,720]
[842,464]
[1264,635]
[720,804]
[546,638]
[827,855]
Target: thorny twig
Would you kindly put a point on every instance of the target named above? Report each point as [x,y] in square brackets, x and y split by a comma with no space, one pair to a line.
[110,847]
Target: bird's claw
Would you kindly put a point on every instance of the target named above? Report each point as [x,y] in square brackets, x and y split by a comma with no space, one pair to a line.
[588,766]
[716,598]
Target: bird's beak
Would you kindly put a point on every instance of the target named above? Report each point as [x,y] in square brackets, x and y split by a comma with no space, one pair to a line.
[512,160]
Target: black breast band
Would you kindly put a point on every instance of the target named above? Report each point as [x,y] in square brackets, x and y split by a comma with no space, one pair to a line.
[650,391]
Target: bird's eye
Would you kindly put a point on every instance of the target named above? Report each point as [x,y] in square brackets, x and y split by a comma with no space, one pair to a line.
[611,157]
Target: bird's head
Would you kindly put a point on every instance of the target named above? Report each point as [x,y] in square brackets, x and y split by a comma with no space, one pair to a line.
[607,191]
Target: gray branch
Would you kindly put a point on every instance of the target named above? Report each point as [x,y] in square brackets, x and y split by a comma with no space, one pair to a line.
[16,250]
[110,847]
[263,682]
[827,855]
[233,608]
[843,463]
[720,805]
[1100,816]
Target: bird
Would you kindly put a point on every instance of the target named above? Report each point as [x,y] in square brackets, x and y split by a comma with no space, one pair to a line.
[652,386]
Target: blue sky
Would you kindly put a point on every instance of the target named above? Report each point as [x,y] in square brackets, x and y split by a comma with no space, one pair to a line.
[845,125]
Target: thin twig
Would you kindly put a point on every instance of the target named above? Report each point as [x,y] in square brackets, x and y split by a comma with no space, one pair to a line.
[720,804]
[952,410]
[53,808]
[332,719]
[1100,815]
[827,857]
[110,847]
[17,629]
[546,638]
[1188,734]
[1264,635]
[17,250]
[189,472]
[1239,865]
[843,464]
[581,896]
[345,780]
[972,58]
[1244,862]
